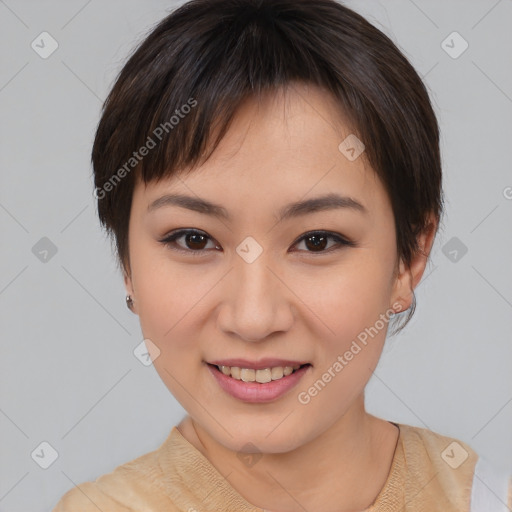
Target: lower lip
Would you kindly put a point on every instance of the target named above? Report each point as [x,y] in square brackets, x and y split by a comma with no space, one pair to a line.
[254,391]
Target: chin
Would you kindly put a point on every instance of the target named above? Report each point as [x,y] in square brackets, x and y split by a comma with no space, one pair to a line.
[249,438]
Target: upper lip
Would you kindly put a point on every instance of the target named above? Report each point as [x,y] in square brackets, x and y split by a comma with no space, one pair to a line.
[256,365]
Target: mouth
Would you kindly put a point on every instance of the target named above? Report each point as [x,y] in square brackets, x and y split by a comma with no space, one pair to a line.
[261,385]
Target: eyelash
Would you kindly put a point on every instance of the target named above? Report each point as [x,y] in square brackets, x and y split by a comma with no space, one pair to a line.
[170,240]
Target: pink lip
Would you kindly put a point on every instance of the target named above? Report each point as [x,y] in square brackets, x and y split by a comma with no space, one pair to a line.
[257,365]
[254,391]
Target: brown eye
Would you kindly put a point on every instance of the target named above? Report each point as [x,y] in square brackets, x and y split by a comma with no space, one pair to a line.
[316,242]
[194,242]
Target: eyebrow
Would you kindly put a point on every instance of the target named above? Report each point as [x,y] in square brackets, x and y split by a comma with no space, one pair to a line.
[292,210]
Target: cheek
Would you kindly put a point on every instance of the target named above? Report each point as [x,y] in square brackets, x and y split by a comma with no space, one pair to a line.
[349,308]
[170,300]
[160,286]
[350,304]
[171,296]
[348,297]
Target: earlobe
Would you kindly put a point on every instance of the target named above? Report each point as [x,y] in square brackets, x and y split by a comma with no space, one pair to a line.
[130,300]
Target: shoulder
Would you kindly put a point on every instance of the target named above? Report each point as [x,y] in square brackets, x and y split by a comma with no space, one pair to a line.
[452,470]
[437,468]
[135,485]
[445,447]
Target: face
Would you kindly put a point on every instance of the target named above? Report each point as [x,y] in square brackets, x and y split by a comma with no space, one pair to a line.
[305,287]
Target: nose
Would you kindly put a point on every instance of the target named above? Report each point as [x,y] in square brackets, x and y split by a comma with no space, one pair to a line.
[256,301]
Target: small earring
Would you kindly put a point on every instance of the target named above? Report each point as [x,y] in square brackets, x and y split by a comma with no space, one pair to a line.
[129,302]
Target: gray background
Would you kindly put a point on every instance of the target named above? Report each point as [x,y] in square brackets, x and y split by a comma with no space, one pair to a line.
[68,373]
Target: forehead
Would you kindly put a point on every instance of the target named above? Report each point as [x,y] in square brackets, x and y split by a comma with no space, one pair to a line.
[284,145]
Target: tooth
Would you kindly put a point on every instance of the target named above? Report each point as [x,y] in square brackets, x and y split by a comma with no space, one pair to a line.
[248,374]
[277,372]
[263,376]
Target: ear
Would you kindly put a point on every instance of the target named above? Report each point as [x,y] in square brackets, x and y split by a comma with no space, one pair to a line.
[408,277]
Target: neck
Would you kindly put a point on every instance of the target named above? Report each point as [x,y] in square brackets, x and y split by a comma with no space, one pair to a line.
[342,469]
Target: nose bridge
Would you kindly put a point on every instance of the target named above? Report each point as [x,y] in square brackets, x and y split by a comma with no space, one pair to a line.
[257,305]
[254,281]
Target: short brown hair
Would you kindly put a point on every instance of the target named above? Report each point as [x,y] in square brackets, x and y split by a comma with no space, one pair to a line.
[211,55]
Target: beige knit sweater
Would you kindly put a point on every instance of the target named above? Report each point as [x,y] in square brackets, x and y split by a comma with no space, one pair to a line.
[178,477]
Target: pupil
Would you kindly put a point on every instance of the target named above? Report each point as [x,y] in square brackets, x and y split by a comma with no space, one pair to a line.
[320,243]
[191,237]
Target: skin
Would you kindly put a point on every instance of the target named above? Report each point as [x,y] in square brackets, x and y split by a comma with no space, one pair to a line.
[291,302]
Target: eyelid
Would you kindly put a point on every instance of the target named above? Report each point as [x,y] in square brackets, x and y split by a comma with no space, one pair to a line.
[342,241]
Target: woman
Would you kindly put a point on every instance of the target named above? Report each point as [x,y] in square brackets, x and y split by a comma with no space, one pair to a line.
[270,173]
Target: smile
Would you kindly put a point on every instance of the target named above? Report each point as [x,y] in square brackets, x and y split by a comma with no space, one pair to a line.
[257,386]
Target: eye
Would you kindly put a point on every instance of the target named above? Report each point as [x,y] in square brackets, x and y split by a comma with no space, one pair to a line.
[318,240]
[195,241]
